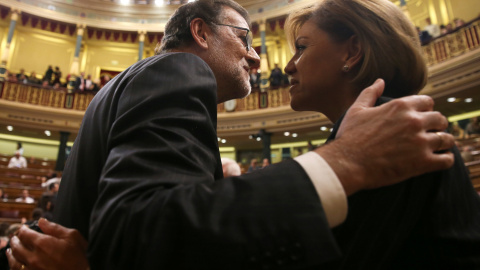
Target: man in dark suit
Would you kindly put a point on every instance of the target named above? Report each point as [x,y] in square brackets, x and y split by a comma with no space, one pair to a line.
[80,82]
[142,182]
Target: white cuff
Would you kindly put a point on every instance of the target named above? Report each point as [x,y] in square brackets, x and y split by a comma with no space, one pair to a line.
[328,187]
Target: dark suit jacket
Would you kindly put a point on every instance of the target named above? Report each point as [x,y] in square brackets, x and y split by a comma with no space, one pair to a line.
[145,170]
[78,82]
[429,222]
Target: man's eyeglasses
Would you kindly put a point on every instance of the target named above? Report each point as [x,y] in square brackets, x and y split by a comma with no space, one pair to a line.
[247,39]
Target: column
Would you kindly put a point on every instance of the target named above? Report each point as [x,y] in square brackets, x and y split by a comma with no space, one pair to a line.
[61,157]
[74,68]
[266,141]
[6,51]
[141,42]
[263,58]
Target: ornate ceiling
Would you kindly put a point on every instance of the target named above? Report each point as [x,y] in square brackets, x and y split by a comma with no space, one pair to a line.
[134,15]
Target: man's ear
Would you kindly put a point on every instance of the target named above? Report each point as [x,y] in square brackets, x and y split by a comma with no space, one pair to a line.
[200,30]
[354,52]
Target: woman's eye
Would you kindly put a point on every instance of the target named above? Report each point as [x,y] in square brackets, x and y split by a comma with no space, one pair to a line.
[299,48]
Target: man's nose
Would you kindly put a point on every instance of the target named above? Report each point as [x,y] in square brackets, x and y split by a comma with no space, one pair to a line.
[253,59]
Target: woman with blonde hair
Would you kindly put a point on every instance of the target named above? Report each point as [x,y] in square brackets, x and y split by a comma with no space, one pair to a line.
[342,46]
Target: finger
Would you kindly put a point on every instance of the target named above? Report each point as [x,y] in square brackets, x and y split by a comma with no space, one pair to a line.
[28,236]
[439,141]
[441,161]
[434,121]
[19,251]
[53,229]
[369,95]
[420,103]
[12,262]
[58,231]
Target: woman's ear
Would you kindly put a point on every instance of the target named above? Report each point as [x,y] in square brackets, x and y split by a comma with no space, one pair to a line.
[354,52]
[200,31]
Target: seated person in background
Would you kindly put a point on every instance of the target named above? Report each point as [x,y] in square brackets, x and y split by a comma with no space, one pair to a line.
[428,222]
[17,161]
[458,22]
[2,194]
[56,86]
[22,77]
[46,85]
[253,165]
[11,77]
[466,153]
[230,167]
[473,128]
[25,197]
[449,28]
[33,78]
[265,163]
[457,131]
[49,196]
[37,213]
[52,178]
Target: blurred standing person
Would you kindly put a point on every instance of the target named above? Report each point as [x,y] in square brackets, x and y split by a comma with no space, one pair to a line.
[276,77]
[48,74]
[432,29]
[57,75]
[20,148]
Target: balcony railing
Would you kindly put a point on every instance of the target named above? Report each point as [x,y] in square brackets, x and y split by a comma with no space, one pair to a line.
[35,95]
[460,41]
[453,44]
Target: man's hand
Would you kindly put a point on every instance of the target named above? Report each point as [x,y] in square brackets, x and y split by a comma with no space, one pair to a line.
[384,145]
[58,248]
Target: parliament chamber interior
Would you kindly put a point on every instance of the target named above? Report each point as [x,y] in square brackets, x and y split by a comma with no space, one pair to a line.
[47,45]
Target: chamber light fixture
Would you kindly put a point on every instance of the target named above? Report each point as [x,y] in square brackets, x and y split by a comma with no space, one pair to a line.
[468,100]
[9,128]
[286,133]
[294,135]
[451,99]
[48,133]
[324,128]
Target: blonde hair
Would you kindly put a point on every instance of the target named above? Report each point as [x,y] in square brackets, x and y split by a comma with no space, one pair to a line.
[389,41]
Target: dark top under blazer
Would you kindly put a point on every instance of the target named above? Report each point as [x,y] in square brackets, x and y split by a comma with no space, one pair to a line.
[429,222]
[145,171]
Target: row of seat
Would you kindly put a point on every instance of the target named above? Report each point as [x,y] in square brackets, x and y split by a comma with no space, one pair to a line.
[32,162]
